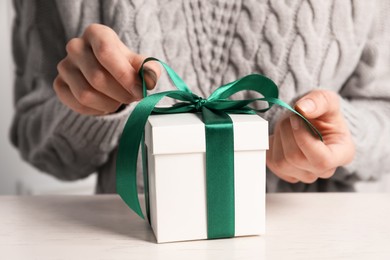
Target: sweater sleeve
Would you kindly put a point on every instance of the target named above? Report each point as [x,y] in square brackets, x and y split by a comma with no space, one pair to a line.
[48,135]
[366,102]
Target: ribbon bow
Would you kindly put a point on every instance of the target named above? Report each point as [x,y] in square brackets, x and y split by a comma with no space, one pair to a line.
[219,141]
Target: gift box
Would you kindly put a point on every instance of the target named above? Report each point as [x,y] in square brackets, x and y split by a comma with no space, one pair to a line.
[203,159]
[176,159]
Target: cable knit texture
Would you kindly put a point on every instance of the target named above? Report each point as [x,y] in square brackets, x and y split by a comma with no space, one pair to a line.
[301,44]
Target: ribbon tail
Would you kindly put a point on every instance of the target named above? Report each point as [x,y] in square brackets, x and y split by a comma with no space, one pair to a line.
[126,163]
[145,172]
[281,103]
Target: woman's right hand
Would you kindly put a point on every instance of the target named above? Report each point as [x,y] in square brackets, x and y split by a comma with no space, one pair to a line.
[100,73]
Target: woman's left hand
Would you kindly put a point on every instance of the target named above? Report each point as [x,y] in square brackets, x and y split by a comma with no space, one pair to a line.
[295,154]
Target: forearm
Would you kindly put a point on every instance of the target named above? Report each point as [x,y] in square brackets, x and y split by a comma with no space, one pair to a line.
[369,122]
[61,142]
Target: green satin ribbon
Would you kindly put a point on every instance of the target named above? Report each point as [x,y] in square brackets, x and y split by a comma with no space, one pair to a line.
[219,141]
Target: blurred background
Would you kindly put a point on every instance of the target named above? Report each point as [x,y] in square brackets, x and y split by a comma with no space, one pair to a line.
[19,178]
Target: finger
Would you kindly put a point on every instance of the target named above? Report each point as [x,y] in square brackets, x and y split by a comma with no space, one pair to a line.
[291,172]
[287,178]
[327,174]
[293,153]
[316,152]
[319,103]
[304,176]
[152,70]
[108,49]
[269,152]
[96,75]
[82,90]
[66,97]
[277,162]
[291,150]
[277,151]
[283,166]
[274,168]
[288,172]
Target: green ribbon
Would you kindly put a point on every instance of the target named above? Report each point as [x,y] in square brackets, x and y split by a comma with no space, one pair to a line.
[219,141]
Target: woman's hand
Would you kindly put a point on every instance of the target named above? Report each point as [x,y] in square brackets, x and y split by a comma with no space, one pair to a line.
[296,155]
[99,74]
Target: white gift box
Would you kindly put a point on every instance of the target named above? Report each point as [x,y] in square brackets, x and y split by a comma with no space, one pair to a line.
[177,178]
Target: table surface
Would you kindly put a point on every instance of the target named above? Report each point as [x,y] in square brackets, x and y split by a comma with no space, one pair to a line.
[299,226]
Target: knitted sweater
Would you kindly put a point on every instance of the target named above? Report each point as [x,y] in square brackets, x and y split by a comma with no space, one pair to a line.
[302,45]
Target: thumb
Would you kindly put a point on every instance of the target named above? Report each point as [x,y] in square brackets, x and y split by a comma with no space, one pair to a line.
[152,74]
[152,70]
[319,103]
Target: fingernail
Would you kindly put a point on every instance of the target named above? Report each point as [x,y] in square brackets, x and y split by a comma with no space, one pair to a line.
[151,74]
[306,105]
[294,120]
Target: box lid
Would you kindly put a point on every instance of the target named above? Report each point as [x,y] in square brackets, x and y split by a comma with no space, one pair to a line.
[185,133]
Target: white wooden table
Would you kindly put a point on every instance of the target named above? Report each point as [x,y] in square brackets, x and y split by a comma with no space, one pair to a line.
[299,226]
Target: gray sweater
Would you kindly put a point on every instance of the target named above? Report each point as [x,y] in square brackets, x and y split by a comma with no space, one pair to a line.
[301,44]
